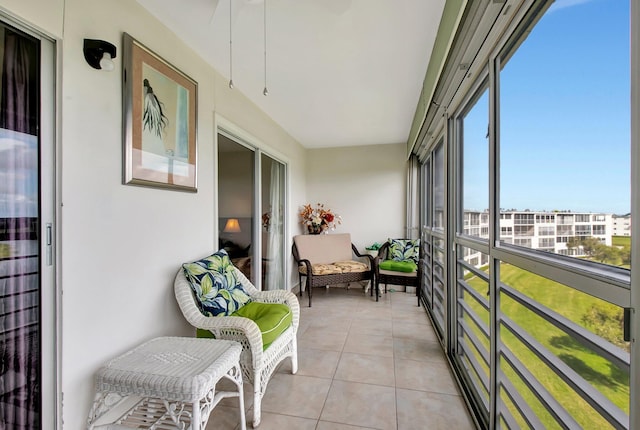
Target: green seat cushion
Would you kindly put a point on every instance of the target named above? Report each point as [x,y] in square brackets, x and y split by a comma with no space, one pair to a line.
[215,285]
[399,266]
[272,319]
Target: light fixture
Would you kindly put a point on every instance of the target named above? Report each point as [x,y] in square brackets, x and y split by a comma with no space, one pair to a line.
[99,54]
[232,226]
[230,48]
[265,92]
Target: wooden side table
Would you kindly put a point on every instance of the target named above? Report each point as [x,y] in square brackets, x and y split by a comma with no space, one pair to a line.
[174,379]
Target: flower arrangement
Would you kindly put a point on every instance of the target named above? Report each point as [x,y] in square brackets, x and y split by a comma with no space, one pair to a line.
[319,220]
[266,220]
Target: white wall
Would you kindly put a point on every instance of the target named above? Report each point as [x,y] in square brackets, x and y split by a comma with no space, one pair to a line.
[46,16]
[366,185]
[122,245]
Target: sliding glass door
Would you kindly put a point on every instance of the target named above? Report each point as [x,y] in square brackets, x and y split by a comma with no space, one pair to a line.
[251,202]
[27,329]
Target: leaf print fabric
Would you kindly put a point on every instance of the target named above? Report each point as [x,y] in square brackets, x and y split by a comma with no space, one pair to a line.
[215,285]
[404,250]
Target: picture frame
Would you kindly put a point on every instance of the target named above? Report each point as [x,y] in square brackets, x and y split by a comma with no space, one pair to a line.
[159,121]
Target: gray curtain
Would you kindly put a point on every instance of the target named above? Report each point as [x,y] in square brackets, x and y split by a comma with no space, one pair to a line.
[275,251]
[412,229]
[19,243]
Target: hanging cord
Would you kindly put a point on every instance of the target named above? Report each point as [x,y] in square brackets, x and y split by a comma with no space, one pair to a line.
[230,48]
[265,91]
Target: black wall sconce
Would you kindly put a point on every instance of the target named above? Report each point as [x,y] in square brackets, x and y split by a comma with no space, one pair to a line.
[99,54]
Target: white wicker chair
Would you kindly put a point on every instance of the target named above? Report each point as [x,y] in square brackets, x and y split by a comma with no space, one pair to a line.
[257,365]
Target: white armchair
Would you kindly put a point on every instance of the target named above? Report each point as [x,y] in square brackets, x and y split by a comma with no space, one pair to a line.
[257,364]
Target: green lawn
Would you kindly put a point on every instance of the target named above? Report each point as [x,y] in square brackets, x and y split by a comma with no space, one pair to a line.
[621,240]
[609,380]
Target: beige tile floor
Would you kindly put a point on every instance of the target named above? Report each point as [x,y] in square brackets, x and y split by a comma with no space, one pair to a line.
[362,365]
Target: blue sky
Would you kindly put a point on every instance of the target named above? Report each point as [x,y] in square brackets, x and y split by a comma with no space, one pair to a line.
[565,115]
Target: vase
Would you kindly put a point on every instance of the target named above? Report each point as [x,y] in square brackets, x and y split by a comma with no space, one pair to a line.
[314,229]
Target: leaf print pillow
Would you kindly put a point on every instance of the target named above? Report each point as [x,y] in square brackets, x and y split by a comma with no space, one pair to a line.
[404,249]
[214,283]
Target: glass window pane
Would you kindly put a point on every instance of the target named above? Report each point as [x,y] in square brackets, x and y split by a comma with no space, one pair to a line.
[20,223]
[475,167]
[562,321]
[565,134]
[438,188]
[235,202]
[473,321]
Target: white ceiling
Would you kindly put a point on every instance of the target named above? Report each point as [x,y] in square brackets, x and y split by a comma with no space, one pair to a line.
[339,72]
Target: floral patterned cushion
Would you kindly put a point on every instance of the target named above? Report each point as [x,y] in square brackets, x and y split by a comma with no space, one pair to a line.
[215,285]
[335,268]
[404,249]
[351,266]
[321,269]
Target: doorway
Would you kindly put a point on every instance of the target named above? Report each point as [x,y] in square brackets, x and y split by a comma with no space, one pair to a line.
[251,208]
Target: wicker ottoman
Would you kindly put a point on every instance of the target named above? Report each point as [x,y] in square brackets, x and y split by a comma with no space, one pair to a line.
[174,379]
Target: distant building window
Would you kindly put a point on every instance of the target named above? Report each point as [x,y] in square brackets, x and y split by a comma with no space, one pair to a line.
[545,218]
[599,229]
[564,219]
[547,231]
[523,219]
[523,230]
[546,242]
[583,230]
[565,230]
[583,218]
[522,242]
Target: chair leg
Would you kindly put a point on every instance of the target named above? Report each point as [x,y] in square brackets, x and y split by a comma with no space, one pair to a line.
[257,399]
[294,356]
[309,291]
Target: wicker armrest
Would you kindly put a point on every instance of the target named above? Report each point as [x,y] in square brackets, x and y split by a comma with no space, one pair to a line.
[240,326]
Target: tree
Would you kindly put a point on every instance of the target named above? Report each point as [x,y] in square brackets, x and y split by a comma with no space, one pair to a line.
[607,322]
[625,255]
[589,245]
[606,254]
[573,242]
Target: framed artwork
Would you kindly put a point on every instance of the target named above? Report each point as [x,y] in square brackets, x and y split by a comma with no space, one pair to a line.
[159,110]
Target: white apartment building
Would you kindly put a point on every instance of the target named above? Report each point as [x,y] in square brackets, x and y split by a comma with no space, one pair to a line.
[545,231]
[621,225]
